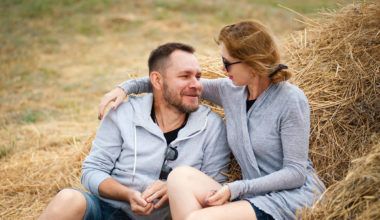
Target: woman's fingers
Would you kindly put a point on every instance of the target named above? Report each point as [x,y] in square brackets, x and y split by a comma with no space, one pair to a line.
[117,95]
[220,197]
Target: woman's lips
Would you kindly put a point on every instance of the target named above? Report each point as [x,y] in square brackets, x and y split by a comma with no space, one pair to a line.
[229,76]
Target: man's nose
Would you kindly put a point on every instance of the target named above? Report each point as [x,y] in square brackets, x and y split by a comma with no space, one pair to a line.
[195,83]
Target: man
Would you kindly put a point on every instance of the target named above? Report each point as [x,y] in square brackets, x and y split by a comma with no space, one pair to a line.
[138,145]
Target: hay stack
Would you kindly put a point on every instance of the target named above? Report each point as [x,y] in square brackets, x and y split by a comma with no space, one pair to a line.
[336,62]
[31,178]
[355,197]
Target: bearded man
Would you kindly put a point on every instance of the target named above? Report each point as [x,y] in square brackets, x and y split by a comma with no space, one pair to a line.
[138,144]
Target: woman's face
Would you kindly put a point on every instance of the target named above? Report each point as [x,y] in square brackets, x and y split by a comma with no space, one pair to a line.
[239,73]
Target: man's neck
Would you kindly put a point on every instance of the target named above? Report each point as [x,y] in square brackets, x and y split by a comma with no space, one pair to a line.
[168,118]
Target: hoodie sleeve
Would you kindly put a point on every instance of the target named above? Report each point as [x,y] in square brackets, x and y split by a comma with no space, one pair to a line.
[216,157]
[137,86]
[105,150]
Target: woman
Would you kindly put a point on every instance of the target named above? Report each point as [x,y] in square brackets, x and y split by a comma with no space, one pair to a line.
[268,125]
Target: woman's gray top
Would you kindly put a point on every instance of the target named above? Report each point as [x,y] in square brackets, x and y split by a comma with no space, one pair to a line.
[270,142]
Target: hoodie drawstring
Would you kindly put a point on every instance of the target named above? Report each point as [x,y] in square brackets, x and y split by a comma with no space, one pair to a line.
[134,164]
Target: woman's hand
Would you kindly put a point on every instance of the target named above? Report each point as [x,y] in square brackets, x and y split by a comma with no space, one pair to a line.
[219,197]
[117,95]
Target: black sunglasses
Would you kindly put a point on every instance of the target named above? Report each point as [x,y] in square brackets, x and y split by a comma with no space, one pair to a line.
[227,64]
[171,154]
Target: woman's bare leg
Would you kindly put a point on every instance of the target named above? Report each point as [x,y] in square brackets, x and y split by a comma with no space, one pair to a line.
[187,191]
[241,210]
[67,204]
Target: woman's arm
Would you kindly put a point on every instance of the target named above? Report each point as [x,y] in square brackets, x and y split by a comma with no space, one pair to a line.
[294,133]
[210,92]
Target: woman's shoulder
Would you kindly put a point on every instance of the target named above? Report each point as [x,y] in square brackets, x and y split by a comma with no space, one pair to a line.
[292,92]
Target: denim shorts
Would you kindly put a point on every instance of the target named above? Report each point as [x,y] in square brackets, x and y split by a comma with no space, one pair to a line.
[260,214]
[99,210]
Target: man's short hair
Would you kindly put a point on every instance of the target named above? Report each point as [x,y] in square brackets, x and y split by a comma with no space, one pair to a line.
[158,59]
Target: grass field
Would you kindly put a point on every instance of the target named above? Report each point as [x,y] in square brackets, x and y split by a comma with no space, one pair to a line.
[57,58]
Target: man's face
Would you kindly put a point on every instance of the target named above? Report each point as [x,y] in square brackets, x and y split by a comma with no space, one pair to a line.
[181,84]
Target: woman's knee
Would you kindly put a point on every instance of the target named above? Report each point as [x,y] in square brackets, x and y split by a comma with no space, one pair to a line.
[197,215]
[182,174]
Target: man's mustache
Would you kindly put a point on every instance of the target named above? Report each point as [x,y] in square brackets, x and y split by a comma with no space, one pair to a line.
[192,92]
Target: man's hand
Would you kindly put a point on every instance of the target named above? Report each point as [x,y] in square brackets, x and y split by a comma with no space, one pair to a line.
[117,95]
[219,197]
[138,205]
[157,189]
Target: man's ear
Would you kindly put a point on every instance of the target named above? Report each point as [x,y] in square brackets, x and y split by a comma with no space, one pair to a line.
[156,80]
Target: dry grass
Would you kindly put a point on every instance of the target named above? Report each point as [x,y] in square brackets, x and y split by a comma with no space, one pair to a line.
[355,197]
[32,177]
[337,63]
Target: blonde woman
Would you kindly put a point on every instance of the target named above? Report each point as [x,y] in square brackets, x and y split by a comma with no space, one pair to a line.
[268,125]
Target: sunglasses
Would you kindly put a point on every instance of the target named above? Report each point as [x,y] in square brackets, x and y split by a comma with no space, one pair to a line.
[171,154]
[227,64]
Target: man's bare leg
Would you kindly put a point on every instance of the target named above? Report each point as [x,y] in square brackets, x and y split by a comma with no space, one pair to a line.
[67,204]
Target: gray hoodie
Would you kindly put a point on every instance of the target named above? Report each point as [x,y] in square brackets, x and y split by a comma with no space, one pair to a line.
[130,148]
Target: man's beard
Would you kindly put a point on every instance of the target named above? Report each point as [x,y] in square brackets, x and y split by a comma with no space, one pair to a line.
[171,99]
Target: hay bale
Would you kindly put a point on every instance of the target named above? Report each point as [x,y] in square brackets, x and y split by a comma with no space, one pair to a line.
[31,178]
[336,61]
[355,197]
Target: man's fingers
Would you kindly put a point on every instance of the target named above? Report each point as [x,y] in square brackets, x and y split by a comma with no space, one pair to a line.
[140,210]
[161,201]
[149,191]
[140,202]
[153,188]
[149,210]
[156,195]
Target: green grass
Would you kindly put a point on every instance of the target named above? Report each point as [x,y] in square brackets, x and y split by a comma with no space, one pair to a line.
[30,116]
[304,6]
[5,150]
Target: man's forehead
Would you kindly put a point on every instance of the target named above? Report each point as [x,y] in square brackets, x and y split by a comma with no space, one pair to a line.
[184,61]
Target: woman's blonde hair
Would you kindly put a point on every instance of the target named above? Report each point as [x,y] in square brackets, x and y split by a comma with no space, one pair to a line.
[253,44]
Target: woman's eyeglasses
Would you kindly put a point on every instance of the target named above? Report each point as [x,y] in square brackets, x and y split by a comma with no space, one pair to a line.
[171,154]
[227,64]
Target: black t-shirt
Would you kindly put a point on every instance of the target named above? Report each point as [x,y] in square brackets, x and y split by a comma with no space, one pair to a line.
[170,135]
[250,103]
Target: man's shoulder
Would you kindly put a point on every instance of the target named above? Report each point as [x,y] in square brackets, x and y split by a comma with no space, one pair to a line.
[134,102]
[210,114]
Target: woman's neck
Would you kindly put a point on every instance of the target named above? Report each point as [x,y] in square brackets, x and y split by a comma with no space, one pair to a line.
[257,86]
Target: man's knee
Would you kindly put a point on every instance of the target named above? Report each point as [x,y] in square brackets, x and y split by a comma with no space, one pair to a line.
[68,201]
[71,196]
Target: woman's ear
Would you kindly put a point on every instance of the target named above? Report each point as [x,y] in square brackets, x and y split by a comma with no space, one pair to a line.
[156,80]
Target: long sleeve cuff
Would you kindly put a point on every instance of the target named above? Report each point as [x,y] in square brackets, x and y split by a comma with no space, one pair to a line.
[235,189]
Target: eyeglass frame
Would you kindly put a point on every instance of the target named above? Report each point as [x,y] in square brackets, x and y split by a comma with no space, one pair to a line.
[227,64]
[165,169]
